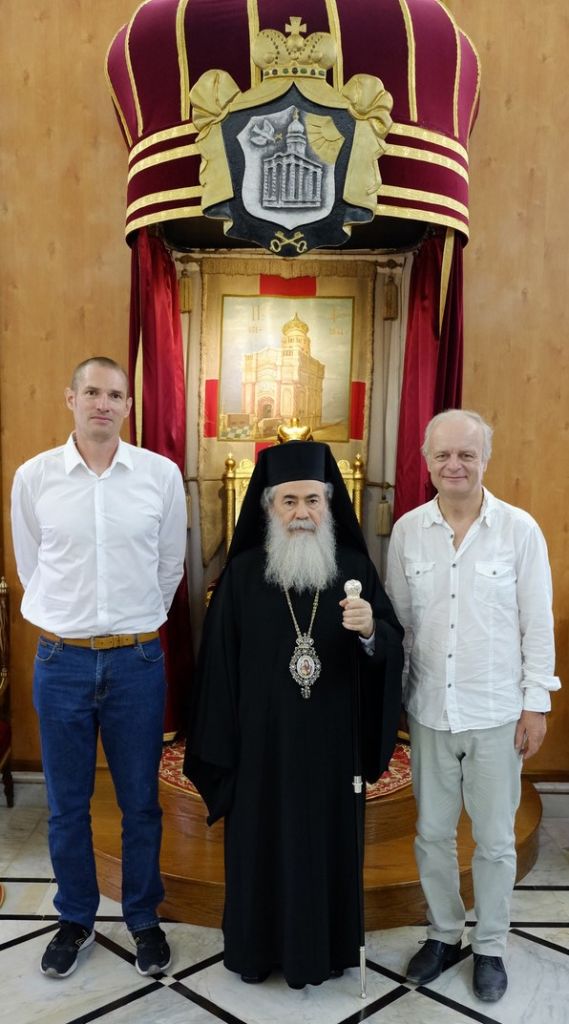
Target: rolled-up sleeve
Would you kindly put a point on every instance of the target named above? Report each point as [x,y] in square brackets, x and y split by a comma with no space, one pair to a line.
[534,594]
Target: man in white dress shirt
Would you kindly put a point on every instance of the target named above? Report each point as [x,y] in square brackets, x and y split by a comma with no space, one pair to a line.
[469,579]
[99,530]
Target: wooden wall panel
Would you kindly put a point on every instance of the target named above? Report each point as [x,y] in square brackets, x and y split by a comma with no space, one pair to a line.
[64,266]
[516,370]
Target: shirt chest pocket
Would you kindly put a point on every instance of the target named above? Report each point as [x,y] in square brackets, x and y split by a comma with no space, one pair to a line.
[495,584]
[421,581]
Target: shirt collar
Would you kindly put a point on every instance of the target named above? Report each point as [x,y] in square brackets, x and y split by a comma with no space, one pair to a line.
[73,458]
[432,514]
[489,506]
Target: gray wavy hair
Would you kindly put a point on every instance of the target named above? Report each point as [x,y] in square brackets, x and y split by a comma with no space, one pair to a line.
[441,417]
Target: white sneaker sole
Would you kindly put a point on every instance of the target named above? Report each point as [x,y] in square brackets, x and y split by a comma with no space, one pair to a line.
[50,972]
[153,969]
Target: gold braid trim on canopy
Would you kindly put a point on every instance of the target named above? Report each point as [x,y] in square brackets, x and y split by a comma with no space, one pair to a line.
[234,266]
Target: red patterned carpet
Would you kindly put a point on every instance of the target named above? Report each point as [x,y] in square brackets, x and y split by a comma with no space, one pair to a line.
[396,777]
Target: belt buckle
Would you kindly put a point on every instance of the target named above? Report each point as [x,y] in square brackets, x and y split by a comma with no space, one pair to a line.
[103,643]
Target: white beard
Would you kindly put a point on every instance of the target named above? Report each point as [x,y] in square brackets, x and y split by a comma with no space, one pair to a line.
[301,556]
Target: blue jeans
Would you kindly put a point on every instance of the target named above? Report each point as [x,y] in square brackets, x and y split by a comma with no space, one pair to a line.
[77,693]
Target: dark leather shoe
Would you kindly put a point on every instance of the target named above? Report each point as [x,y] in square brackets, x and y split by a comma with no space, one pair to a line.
[255,979]
[428,963]
[490,980]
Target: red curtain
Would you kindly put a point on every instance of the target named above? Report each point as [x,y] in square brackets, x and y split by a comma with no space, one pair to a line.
[155,322]
[432,370]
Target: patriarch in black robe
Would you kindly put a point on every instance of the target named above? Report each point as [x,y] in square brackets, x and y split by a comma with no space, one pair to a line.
[270,746]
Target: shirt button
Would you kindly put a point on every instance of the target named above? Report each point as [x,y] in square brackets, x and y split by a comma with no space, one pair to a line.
[449,686]
[453,595]
[449,655]
[452,625]
[453,566]
[493,572]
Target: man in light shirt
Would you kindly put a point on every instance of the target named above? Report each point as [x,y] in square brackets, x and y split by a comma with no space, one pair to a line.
[99,530]
[469,579]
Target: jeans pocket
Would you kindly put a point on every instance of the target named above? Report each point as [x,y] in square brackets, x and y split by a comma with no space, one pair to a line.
[46,650]
[151,652]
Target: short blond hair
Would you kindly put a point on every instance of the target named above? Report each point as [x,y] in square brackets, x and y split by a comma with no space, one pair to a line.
[109,364]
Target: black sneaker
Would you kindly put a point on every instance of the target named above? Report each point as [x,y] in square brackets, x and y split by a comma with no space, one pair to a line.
[152,950]
[60,957]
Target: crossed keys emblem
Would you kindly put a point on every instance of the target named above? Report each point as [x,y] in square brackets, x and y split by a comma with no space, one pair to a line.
[280,241]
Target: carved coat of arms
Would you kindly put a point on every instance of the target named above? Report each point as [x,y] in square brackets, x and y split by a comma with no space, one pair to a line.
[290,164]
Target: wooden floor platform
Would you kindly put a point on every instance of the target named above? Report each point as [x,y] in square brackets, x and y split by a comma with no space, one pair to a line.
[192,855]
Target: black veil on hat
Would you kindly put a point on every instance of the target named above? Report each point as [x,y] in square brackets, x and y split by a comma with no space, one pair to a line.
[295,460]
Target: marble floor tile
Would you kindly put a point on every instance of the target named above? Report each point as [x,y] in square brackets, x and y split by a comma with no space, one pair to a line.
[100,978]
[540,906]
[13,930]
[555,805]
[537,991]
[107,907]
[558,830]
[558,936]
[552,863]
[17,826]
[160,1007]
[27,898]
[190,945]
[274,1002]
[415,1008]
[394,948]
[29,794]
[31,860]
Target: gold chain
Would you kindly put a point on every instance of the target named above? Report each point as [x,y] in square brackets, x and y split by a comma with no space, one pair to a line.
[313,616]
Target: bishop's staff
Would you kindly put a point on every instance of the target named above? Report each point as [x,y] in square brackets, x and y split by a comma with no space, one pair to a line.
[353,589]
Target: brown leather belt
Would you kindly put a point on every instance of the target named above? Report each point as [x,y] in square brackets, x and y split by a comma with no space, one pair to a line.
[102,643]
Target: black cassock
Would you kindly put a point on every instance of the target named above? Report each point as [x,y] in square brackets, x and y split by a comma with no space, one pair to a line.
[279,767]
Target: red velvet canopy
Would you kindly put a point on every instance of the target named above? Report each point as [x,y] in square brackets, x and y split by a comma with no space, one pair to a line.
[409,51]
[415,47]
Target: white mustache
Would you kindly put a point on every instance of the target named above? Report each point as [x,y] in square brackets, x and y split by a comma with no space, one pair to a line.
[302,524]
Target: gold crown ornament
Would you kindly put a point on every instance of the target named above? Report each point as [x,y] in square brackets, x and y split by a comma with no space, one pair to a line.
[292,56]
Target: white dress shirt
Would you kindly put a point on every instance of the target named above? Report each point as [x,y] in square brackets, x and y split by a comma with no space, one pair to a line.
[478,621]
[98,554]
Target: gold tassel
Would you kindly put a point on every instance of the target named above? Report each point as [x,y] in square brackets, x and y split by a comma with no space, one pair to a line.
[384,518]
[390,299]
[445,273]
[185,292]
[188,504]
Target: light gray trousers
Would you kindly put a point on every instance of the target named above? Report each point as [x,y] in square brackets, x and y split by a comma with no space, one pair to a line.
[481,769]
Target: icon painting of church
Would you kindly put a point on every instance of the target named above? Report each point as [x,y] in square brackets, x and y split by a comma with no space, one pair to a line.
[280,383]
